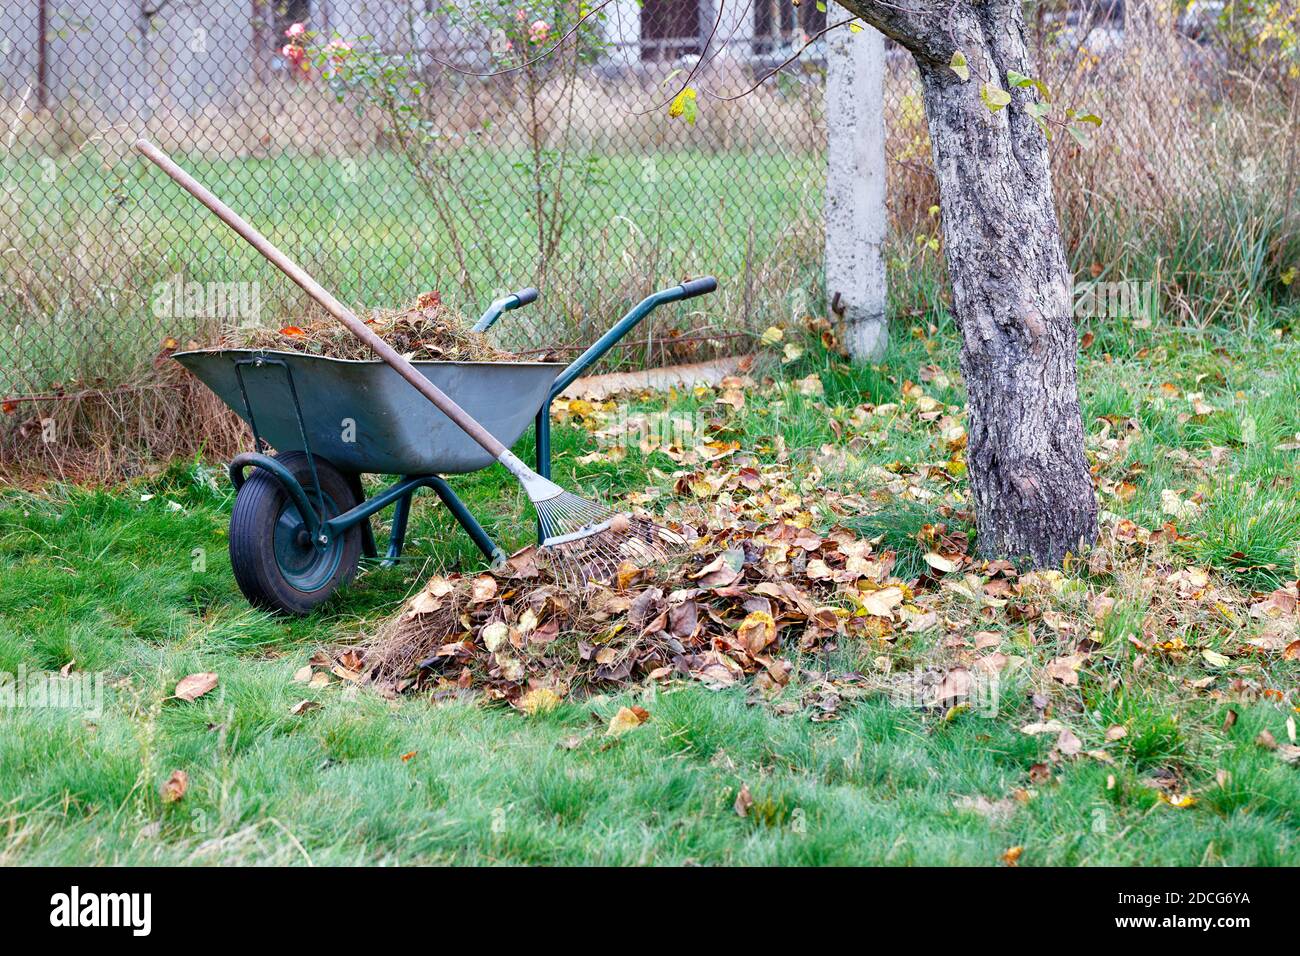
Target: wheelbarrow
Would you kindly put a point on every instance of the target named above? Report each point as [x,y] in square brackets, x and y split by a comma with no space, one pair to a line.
[301,520]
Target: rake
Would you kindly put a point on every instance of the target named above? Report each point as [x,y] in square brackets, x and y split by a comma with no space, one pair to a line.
[582,540]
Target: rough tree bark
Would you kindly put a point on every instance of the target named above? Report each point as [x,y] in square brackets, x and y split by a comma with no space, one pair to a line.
[1012,292]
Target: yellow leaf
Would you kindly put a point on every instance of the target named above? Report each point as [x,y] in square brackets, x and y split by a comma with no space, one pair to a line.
[627,718]
[683,105]
[959,66]
[771,335]
[1215,659]
[757,631]
[994,97]
[539,701]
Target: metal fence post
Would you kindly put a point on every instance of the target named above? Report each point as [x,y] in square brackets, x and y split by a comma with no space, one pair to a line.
[856,220]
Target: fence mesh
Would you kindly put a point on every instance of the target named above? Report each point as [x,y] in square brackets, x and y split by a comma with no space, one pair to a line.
[404,146]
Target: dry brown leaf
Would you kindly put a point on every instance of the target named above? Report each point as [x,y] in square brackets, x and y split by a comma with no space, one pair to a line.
[958,682]
[883,602]
[743,801]
[1068,744]
[942,563]
[1065,669]
[483,589]
[175,786]
[194,686]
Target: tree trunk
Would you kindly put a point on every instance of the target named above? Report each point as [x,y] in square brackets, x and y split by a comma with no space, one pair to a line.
[1012,292]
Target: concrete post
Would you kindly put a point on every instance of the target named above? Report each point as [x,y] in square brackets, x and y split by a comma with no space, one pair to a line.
[855,189]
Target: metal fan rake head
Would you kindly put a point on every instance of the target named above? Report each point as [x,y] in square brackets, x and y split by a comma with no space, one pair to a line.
[584,541]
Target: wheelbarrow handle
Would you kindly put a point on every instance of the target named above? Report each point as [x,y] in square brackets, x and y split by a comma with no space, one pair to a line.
[332,305]
[504,305]
[687,290]
[701,286]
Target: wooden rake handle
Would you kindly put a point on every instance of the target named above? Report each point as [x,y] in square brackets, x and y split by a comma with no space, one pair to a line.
[318,292]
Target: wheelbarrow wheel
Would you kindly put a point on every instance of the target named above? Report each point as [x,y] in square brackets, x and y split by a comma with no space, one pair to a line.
[276,564]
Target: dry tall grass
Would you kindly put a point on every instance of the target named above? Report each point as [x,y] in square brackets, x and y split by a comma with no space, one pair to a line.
[1183,185]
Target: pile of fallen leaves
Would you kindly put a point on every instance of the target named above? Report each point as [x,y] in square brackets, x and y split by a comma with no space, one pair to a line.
[732,606]
[425,331]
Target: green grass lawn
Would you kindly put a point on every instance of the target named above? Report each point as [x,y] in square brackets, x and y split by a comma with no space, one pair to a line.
[133,582]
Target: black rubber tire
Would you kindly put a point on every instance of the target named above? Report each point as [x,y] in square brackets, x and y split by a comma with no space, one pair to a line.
[263,510]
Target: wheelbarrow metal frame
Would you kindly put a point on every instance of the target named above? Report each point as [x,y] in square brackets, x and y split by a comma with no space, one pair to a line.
[403,490]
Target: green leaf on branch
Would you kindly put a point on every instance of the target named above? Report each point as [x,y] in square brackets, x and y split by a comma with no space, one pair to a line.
[959,65]
[1040,112]
[1024,82]
[855,27]
[994,97]
[683,105]
[1080,136]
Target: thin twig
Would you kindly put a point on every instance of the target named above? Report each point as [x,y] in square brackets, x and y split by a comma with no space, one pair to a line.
[537,59]
[794,56]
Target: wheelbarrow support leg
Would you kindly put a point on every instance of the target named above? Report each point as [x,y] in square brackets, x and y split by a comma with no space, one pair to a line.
[467,521]
[397,537]
[367,533]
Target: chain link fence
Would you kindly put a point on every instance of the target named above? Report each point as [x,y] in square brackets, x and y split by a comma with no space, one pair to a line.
[405,146]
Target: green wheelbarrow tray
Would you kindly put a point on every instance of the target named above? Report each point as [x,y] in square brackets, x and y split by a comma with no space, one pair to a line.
[300,521]
[364,417]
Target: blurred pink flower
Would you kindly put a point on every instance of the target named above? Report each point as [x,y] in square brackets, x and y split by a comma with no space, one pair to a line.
[521,14]
[538,32]
[339,49]
[297,55]
[295,30]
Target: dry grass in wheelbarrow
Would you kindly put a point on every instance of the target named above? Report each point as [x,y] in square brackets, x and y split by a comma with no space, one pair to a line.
[427,330]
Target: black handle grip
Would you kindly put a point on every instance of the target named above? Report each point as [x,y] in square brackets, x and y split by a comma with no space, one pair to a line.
[701,286]
[526,296]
